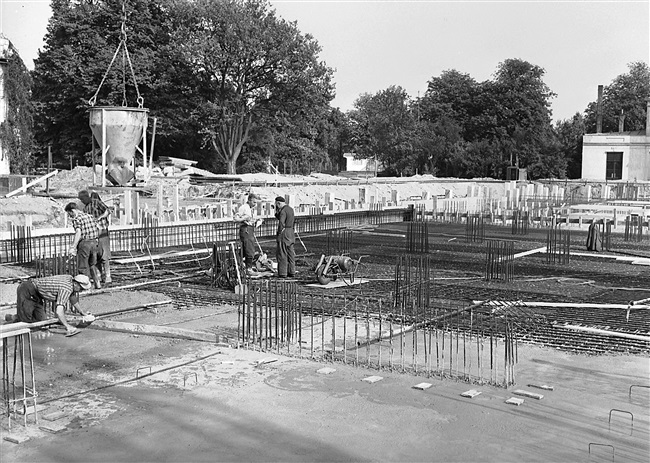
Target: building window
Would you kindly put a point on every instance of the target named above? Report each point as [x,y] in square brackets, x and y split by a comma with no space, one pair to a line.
[614,165]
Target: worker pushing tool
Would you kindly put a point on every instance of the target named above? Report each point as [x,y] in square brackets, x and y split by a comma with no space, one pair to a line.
[59,289]
[285,239]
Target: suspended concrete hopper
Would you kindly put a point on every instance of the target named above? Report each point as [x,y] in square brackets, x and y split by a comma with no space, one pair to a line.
[119,132]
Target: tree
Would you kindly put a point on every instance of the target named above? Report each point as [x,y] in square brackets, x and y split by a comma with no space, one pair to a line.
[249,67]
[569,135]
[383,129]
[16,131]
[626,95]
[81,40]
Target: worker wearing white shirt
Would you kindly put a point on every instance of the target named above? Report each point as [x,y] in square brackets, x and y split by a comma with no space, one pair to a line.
[245,216]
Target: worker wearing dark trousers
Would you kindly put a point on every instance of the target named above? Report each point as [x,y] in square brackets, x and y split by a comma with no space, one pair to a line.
[285,239]
[245,216]
[85,244]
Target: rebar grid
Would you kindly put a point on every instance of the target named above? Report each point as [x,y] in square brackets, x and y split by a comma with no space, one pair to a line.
[499,258]
[61,264]
[633,228]
[520,222]
[417,237]
[339,242]
[153,236]
[475,228]
[409,337]
[558,244]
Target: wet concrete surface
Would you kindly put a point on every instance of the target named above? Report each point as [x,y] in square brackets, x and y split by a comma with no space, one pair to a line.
[226,407]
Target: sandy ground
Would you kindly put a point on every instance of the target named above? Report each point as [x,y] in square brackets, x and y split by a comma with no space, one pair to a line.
[204,402]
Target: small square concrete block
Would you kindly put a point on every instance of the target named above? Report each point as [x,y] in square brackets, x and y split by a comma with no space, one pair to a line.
[542,386]
[267,360]
[30,409]
[372,379]
[55,415]
[15,438]
[326,371]
[532,395]
[422,386]
[515,401]
[471,393]
[54,427]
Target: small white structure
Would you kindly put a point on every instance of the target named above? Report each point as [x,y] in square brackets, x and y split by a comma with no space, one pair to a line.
[359,165]
[617,156]
[4,59]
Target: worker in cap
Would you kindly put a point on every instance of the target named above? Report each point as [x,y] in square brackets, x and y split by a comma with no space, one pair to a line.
[58,289]
[245,216]
[285,239]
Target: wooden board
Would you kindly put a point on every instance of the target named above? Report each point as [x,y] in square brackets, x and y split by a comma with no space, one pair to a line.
[153,330]
[339,283]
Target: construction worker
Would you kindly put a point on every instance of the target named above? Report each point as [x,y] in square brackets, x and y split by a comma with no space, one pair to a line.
[94,206]
[59,289]
[85,244]
[245,216]
[285,239]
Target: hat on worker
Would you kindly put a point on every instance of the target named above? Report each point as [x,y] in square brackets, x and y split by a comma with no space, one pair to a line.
[280,199]
[253,196]
[83,281]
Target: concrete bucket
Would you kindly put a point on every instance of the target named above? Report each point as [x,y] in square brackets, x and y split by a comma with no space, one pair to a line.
[118,131]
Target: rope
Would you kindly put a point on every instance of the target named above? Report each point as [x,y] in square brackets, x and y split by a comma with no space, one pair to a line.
[125,53]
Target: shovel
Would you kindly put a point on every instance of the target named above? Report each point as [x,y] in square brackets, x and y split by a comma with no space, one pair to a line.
[239,287]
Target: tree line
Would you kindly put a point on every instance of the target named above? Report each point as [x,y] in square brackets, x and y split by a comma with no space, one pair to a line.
[236,87]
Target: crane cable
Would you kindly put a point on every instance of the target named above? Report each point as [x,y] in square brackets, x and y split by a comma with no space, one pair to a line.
[125,54]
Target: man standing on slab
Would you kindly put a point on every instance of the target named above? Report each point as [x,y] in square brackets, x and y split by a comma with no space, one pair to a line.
[85,244]
[285,239]
[94,206]
[247,223]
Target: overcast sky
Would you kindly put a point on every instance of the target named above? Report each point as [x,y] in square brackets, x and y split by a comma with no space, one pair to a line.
[375,44]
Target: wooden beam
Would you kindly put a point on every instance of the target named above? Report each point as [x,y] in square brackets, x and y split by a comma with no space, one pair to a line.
[32,183]
[161,331]
[615,334]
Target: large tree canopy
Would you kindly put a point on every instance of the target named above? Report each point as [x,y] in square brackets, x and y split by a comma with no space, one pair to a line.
[81,41]
[626,95]
[216,74]
[16,131]
[384,128]
[250,67]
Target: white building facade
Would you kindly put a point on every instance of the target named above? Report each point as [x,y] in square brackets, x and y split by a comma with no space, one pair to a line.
[617,156]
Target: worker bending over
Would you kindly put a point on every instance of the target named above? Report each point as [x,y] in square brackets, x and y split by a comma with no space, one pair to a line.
[59,289]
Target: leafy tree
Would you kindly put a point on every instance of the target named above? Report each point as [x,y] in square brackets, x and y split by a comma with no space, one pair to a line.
[16,131]
[81,42]
[250,68]
[383,129]
[452,96]
[628,93]
[569,135]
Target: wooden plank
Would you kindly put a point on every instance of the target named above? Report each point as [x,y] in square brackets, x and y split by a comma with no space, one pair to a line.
[32,183]
[160,256]
[615,334]
[11,328]
[154,330]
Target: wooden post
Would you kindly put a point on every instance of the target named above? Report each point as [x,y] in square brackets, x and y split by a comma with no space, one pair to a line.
[49,168]
[175,202]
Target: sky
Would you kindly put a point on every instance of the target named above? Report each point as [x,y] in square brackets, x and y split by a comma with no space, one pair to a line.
[372,45]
